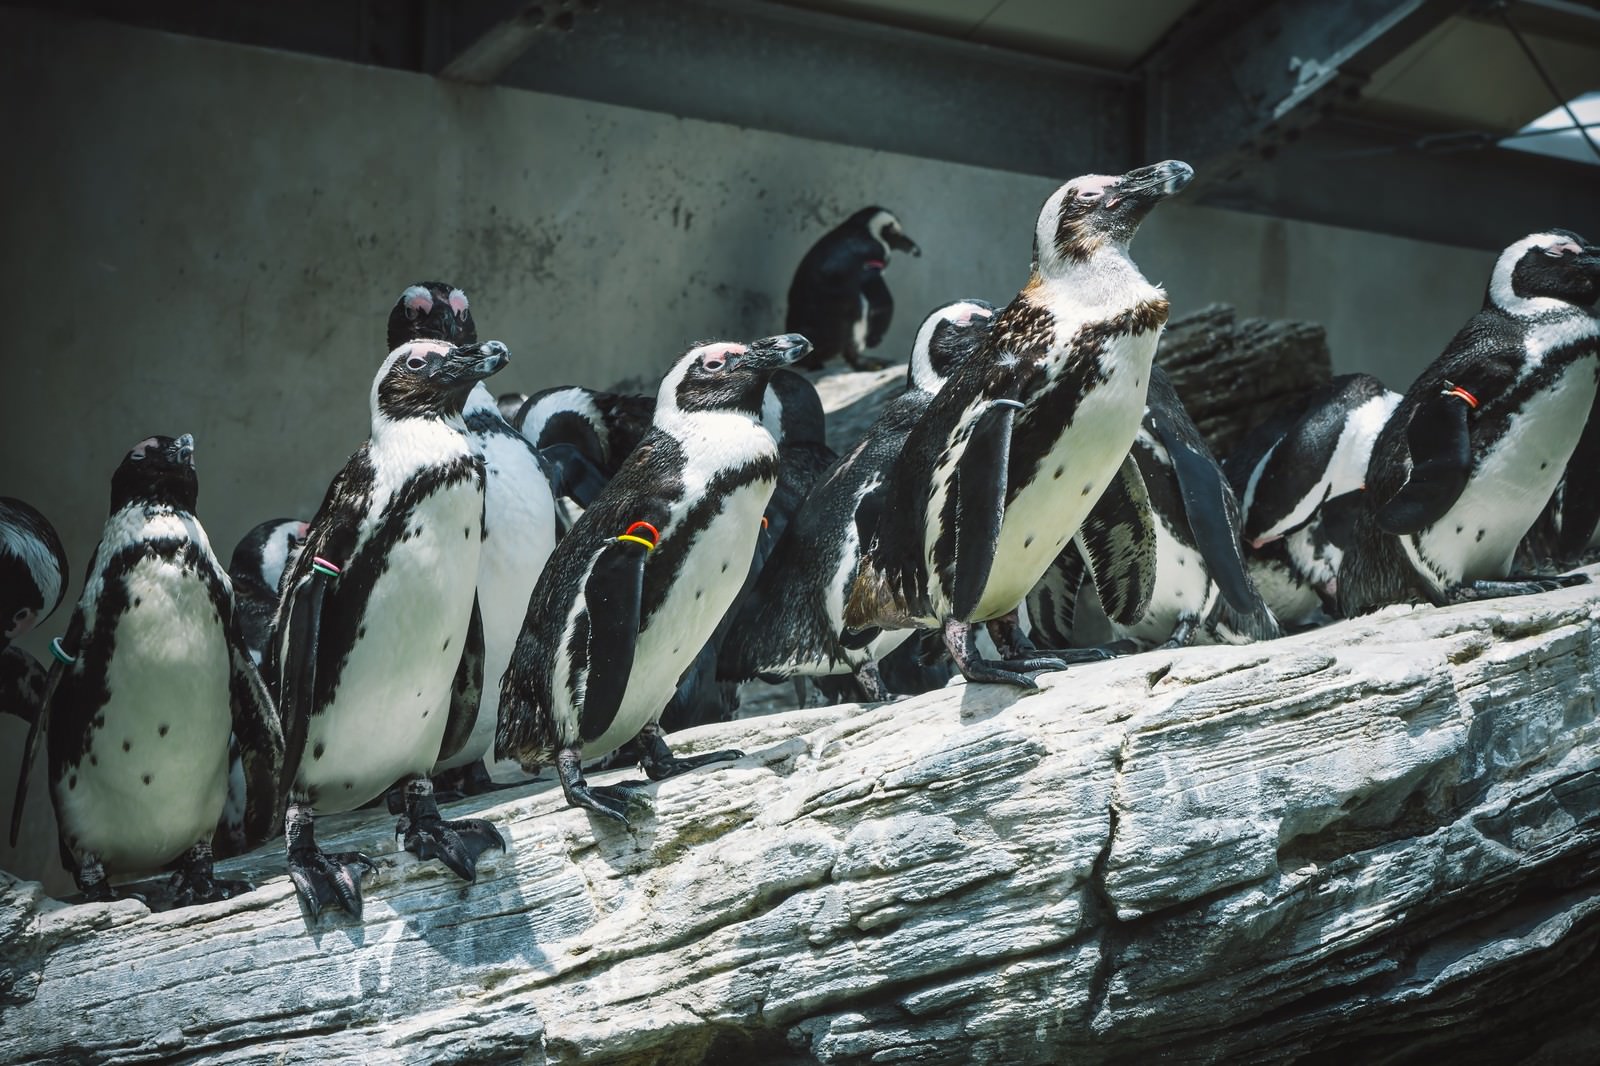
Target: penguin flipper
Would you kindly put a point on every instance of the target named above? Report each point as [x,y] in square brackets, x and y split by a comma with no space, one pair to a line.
[1441,458]
[1053,600]
[259,734]
[1118,539]
[880,308]
[22,681]
[297,684]
[613,595]
[1580,500]
[572,472]
[466,691]
[41,721]
[981,477]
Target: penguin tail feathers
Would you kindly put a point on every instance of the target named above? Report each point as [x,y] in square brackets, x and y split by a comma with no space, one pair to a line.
[1258,623]
[877,601]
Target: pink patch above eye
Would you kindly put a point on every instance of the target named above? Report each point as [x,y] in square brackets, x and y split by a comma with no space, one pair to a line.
[458,301]
[875,264]
[419,299]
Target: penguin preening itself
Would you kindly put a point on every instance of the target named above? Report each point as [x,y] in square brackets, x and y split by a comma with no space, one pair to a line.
[151,678]
[377,646]
[1161,546]
[33,569]
[1472,454]
[1299,481]
[1017,447]
[793,621]
[838,298]
[256,568]
[638,585]
[519,521]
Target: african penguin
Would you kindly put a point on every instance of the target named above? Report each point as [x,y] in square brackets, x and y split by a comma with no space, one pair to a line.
[377,646]
[1472,454]
[638,585]
[151,678]
[509,404]
[1017,447]
[792,622]
[256,567]
[1161,546]
[33,569]
[1298,485]
[583,435]
[838,297]
[519,531]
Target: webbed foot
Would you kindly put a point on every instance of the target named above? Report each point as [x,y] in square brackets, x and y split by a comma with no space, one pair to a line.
[194,881]
[470,780]
[1515,585]
[659,763]
[320,877]
[457,844]
[608,801]
[961,638]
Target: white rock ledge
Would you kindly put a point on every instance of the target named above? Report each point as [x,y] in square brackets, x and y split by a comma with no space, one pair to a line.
[1377,842]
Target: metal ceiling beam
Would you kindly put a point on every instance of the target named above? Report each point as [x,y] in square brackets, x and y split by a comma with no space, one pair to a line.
[497,34]
[1237,81]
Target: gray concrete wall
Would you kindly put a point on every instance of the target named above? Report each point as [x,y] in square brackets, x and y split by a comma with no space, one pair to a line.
[207,238]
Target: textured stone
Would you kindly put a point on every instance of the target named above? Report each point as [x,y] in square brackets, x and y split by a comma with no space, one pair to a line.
[1374,842]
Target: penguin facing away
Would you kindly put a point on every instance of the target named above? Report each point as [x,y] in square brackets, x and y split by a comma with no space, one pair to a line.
[1016,449]
[33,569]
[638,585]
[152,677]
[793,622]
[838,298]
[377,646]
[255,568]
[583,435]
[1474,451]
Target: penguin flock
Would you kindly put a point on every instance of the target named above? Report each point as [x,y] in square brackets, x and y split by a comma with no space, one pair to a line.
[559,580]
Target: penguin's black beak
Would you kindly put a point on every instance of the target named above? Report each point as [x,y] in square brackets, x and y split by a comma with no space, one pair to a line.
[897,240]
[770,353]
[182,451]
[472,363]
[1145,187]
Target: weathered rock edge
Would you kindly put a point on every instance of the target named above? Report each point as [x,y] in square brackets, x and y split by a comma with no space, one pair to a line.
[1380,837]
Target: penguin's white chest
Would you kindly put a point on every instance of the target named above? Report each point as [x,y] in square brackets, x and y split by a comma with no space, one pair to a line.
[1509,485]
[1081,462]
[710,576]
[387,717]
[1183,588]
[154,779]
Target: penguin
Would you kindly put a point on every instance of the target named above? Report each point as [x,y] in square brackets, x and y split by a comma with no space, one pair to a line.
[519,528]
[33,569]
[22,681]
[792,623]
[1473,452]
[377,645]
[1014,451]
[255,568]
[583,435]
[792,412]
[1299,479]
[1163,552]
[151,678]
[638,585]
[509,404]
[838,297]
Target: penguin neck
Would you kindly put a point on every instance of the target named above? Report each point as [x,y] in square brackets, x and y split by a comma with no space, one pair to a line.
[1106,281]
[480,401]
[418,441]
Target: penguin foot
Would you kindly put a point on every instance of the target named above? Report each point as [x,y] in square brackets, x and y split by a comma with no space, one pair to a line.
[1515,585]
[470,780]
[321,877]
[961,638]
[608,801]
[659,763]
[457,844]
[194,881]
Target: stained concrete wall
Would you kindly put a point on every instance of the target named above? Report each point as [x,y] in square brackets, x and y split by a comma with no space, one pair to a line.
[207,238]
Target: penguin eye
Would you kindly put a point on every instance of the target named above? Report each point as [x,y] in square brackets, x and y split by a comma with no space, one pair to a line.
[416,362]
[1554,253]
[1088,196]
[412,313]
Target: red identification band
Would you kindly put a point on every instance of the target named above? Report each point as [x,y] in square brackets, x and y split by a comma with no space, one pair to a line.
[655,534]
[764,522]
[1457,390]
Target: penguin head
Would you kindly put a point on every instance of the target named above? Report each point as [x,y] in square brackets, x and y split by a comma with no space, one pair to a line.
[432,378]
[726,375]
[431,310]
[266,550]
[1542,269]
[1101,211]
[792,411]
[944,341]
[33,568]
[880,224]
[157,470]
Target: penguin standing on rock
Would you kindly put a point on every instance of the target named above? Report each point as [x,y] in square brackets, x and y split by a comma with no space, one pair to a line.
[378,643]
[256,567]
[1015,450]
[151,678]
[1474,451]
[793,622]
[33,581]
[838,298]
[639,584]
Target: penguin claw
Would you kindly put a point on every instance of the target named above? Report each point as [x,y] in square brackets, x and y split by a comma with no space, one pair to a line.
[662,766]
[189,888]
[982,670]
[1035,664]
[321,878]
[457,844]
[610,801]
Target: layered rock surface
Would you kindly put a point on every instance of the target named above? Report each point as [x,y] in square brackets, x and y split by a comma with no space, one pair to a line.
[1378,842]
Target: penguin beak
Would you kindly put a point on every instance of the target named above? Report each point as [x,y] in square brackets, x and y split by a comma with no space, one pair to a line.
[183,450]
[473,362]
[1149,185]
[770,353]
[897,240]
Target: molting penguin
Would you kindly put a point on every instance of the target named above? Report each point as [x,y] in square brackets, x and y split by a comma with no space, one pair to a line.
[838,298]
[151,678]
[378,643]
[256,568]
[1299,482]
[519,528]
[1163,551]
[1473,452]
[1016,449]
[33,569]
[638,585]
[792,623]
